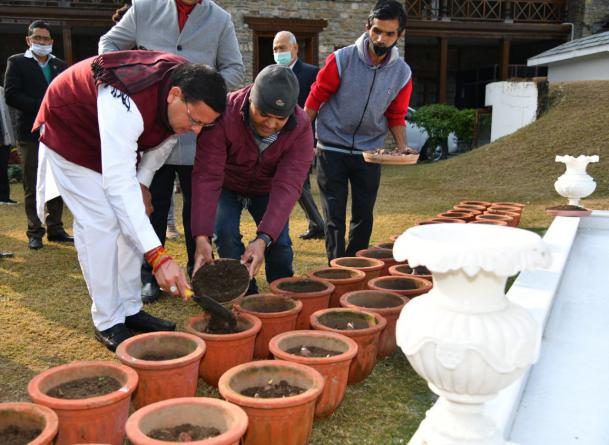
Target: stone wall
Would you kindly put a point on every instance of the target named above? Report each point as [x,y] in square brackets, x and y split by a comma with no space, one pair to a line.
[588,17]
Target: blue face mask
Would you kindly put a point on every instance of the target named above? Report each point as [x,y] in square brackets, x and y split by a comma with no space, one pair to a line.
[283,58]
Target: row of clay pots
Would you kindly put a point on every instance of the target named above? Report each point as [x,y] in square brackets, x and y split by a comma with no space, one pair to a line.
[480,212]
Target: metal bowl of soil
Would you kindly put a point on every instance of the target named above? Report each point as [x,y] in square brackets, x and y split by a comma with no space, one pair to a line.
[226,281]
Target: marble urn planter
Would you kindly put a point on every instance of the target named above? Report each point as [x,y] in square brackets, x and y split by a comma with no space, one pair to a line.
[465,337]
[575,183]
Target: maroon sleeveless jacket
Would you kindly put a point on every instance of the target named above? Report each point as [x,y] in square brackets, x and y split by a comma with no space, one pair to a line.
[69,108]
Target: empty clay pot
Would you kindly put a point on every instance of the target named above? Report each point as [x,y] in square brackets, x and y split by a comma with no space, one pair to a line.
[476,203]
[367,337]
[334,369]
[514,215]
[489,217]
[343,279]
[277,313]
[371,267]
[387,304]
[176,376]
[464,216]
[313,293]
[226,417]
[407,286]
[98,419]
[29,417]
[281,420]
[224,350]
[509,204]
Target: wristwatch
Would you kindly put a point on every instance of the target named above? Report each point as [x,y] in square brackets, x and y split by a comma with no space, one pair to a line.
[264,237]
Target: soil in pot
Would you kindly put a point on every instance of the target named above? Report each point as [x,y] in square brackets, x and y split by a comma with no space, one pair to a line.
[400,284]
[183,433]
[208,326]
[15,435]
[273,390]
[312,351]
[567,207]
[379,254]
[85,388]
[268,305]
[334,274]
[344,321]
[224,280]
[355,262]
[158,357]
[387,246]
[302,286]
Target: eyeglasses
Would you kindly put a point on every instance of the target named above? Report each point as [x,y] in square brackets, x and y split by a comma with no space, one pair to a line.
[41,39]
[196,123]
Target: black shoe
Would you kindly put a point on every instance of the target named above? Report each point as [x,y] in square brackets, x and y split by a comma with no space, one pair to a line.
[113,336]
[6,254]
[144,322]
[150,292]
[61,238]
[35,243]
[312,234]
[8,202]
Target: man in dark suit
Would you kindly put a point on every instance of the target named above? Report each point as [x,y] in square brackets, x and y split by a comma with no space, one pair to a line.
[285,52]
[26,80]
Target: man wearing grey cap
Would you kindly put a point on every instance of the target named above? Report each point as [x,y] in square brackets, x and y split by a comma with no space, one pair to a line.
[253,158]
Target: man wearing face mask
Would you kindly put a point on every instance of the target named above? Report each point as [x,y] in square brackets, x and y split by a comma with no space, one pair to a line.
[365,90]
[26,80]
[285,52]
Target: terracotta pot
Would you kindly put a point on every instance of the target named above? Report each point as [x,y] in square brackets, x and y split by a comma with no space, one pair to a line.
[229,419]
[371,267]
[386,256]
[387,304]
[488,221]
[514,215]
[224,350]
[284,420]
[278,313]
[343,279]
[447,220]
[509,204]
[28,416]
[95,419]
[367,339]
[407,286]
[393,238]
[488,217]
[386,246]
[464,216]
[334,369]
[163,379]
[476,203]
[506,208]
[313,293]
[429,221]
[399,270]
[468,207]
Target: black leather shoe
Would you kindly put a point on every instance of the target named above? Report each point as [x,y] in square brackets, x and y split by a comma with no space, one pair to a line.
[150,292]
[144,322]
[113,336]
[312,234]
[35,243]
[61,238]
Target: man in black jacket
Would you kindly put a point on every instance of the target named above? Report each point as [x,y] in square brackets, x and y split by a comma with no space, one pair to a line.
[285,52]
[26,80]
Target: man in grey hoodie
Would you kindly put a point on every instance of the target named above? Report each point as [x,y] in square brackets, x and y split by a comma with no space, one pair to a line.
[362,92]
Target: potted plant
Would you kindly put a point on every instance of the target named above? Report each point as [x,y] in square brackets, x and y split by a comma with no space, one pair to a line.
[277,313]
[91,400]
[370,266]
[312,292]
[279,399]
[363,327]
[343,279]
[407,286]
[224,350]
[167,364]
[328,352]
[196,420]
[387,304]
[26,423]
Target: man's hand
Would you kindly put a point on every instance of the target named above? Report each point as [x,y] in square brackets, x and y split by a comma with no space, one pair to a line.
[253,256]
[147,198]
[203,252]
[172,279]
[407,150]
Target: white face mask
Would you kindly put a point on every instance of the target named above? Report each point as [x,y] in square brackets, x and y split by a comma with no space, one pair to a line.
[41,50]
[283,58]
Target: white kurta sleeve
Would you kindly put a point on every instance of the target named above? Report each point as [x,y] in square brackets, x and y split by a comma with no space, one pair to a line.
[120,126]
[153,159]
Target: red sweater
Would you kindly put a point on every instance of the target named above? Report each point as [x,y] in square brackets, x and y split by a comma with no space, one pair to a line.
[228,157]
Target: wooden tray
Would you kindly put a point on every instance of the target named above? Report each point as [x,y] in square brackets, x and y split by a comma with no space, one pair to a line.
[578,213]
[388,159]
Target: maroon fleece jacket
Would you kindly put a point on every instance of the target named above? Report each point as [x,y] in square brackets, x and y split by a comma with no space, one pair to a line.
[228,158]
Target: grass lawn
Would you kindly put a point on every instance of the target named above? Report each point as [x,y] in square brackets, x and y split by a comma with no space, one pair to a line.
[44,305]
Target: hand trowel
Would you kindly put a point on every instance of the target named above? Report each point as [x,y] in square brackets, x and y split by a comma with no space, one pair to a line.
[221,316]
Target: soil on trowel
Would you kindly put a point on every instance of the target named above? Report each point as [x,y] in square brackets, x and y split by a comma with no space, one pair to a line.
[15,435]
[273,390]
[268,306]
[334,274]
[85,388]
[302,286]
[344,321]
[223,280]
[183,433]
[160,356]
[312,351]
[567,207]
